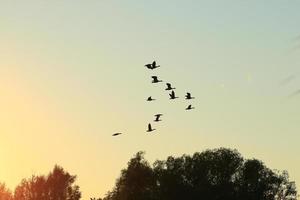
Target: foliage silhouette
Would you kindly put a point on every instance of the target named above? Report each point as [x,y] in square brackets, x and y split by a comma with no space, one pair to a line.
[57,185]
[5,193]
[220,174]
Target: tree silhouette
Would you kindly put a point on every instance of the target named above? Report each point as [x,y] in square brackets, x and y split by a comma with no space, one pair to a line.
[220,174]
[5,194]
[136,182]
[58,185]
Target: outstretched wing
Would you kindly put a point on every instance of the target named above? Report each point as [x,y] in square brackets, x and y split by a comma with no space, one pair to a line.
[149,126]
[154,78]
[168,84]
[154,64]
[173,93]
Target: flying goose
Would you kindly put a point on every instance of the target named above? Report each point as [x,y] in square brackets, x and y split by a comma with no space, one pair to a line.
[116,134]
[188,96]
[150,128]
[157,117]
[155,79]
[150,99]
[169,86]
[190,107]
[172,95]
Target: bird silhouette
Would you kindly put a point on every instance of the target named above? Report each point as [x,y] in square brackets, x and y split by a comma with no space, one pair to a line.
[155,79]
[190,107]
[172,95]
[169,86]
[150,128]
[116,134]
[188,96]
[157,117]
[150,99]
[154,66]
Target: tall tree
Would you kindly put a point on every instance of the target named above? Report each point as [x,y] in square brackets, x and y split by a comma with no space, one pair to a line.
[57,185]
[136,182]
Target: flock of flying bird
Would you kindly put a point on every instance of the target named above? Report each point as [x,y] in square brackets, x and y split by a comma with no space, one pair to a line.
[172,95]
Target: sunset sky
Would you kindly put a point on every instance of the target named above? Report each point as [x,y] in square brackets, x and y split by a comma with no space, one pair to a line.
[72,74]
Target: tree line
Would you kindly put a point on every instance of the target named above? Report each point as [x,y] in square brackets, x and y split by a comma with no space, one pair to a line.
[218,174]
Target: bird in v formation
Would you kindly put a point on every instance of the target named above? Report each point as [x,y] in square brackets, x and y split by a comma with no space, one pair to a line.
[189,96]
[157,117]
[150,129]
[152,66]
[169,87]
[150,99]
[190,107]
[155,79]
[172,95]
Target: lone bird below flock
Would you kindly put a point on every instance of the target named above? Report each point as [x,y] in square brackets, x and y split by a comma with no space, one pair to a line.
[190,107]
[116,134]
[188,96]
[157,119]
[169,86]
[155,79]
[172,95]
[150,99]
[150,128]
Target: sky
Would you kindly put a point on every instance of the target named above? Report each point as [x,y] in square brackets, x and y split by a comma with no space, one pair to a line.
[72,74]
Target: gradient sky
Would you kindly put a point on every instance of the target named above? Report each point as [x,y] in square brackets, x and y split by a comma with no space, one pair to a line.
[71,74]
